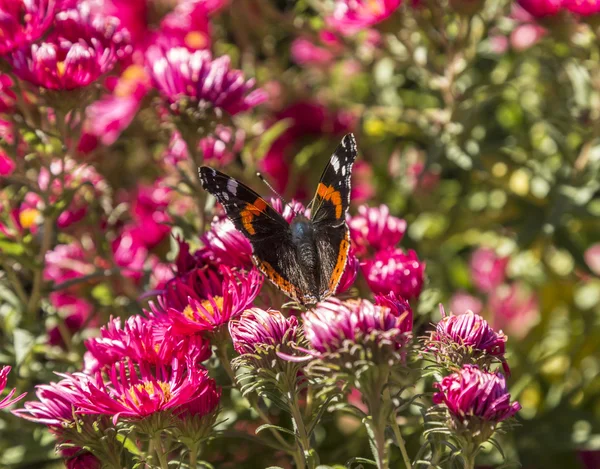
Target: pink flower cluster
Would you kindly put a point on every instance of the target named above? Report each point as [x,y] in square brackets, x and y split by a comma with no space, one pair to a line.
[8,399]
[548,8]
[375,234]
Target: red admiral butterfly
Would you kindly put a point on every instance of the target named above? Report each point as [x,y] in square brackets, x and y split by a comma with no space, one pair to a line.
[305,258]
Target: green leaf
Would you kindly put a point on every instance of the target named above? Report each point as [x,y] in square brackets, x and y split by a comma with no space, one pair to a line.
[267,426]
[24,342]
[269,136]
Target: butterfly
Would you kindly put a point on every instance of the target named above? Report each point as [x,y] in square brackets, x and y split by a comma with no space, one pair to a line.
[306,257]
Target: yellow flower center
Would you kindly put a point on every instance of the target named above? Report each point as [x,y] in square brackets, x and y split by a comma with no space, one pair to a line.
[28,217]
[150,389]
[208,305]
[195,40]
[60,68]
[130,77]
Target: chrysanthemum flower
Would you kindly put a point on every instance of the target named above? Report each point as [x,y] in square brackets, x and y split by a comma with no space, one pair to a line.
[136,391]
[227,245]
[257,329]
[488,270]
[466,339]
[144,340]
[375,229]
[394,271]
[55,405]
[349,275]
[82,459]
[336,328]
[80,49]
[8,400]
[351,16]
[199,81]
[23,21]
[514,308]
[542,8]
[205,299]
[477,401]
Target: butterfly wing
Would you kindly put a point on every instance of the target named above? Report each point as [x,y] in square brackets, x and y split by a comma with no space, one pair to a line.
[329,208]
[268,232]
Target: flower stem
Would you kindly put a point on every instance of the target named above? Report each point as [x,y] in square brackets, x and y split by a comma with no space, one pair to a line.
[396,430]
[220,339]
[193,456]
[158,449]
[377,421]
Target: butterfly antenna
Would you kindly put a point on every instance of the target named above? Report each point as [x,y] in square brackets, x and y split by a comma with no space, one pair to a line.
[279,196]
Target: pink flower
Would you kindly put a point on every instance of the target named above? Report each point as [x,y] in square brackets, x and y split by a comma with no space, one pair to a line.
[8,400]
[462,302]
[488,270]
[592,258]
[363,188]
[374,229]
[582,7]
[143,340]
[399,308]
[205,300]
[526,35]
[75,311]
[7,165]
[541,8]
[333,326]
[227,245]
[80,49]
[54,407]
[349,275]
[130,253]
[257,330]
[83,460]
[150,218]
[23,21]
[467,338]
[304,52]
[135,392]
[195,78]
[472,394]
[351,16]
[7,100]
[67,179]
[514,309]
[394,271]
[66,262]
[218,149]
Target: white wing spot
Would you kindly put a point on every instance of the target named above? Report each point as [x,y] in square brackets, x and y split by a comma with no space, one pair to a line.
[225,195]
[214,172]
[335,162]
[232,186]
[343,170]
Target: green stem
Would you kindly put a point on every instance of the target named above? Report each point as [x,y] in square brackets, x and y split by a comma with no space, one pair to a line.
[396,430]
[378,419]
[193,456]
[220,339]
[38,278]
[160,454]
[302,437]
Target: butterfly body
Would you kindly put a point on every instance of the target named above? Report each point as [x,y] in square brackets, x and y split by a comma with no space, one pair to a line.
[306,257]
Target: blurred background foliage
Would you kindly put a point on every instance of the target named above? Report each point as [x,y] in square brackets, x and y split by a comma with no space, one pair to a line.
[476,139]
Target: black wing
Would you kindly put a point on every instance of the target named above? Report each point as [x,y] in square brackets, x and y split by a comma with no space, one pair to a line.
[269,234]
[329,208]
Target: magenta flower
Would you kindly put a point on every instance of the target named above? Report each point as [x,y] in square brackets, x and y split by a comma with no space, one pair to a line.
[374,229]
[349,275]
[363,188]
[7,165]
[462,302]
[135,392]
[466,338]
[23,21]
[399,307]
[143,340]
[8,400]
[197,79]
[55,405]
[305,52]
[514,309]
[80,183]
[66,262]
[541,8]
[227,245]
[473,396]
[150,218]
[80,49]
[335,326]
[351,16]
[582,7]
[76,312]
[83,460]
[592,258]
[394,271]
[257,330]
[488,270]
[205,299]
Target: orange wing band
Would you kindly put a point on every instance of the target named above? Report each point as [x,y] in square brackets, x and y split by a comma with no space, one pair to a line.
[251,211]
[340,265]
[329,194]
